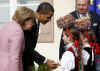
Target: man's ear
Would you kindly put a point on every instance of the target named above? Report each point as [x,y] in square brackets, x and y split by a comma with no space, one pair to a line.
[39,15]
[36,14]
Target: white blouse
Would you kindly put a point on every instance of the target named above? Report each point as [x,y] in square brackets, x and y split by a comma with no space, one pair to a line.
[68,60]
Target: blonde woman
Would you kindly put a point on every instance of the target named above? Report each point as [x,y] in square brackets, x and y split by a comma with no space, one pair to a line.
[12,39]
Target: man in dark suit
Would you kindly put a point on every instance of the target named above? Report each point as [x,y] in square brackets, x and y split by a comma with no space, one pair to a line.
[43,15]
[82,10]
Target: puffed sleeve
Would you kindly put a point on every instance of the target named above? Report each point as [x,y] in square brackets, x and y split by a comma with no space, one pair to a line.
[67,61]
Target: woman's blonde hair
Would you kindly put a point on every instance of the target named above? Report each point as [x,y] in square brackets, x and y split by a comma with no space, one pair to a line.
[22,14]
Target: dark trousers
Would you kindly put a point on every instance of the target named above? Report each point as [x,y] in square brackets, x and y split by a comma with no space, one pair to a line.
[29,68]
[28,64]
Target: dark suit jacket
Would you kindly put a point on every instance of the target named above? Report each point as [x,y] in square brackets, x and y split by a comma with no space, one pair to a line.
[30,55]
[95,20]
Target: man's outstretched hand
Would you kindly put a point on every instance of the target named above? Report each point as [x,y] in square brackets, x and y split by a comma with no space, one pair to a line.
[51,64]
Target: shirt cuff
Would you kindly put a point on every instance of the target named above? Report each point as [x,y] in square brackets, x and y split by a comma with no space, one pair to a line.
[45,60]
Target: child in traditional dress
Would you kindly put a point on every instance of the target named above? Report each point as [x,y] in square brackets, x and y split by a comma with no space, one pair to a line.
[75,57]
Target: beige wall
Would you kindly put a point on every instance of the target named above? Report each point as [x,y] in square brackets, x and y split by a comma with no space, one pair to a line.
[51,50]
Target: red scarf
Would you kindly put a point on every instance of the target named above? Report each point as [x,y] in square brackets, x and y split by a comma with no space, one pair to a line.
[95,44]
[76,42]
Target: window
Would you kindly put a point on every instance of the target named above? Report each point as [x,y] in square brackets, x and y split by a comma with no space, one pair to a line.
[29,3]
[4,11]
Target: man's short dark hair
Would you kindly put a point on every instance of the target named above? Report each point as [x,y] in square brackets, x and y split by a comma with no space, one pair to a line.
[45,8]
